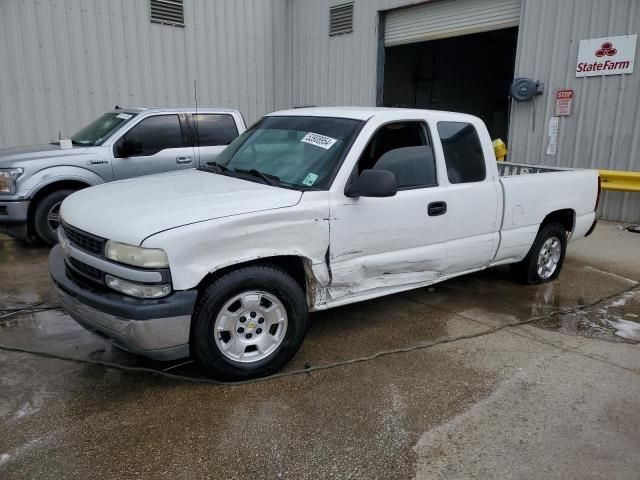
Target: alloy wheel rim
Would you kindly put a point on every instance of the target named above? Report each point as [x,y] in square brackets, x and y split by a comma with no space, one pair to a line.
[53,217]
[549,257]
[250,326]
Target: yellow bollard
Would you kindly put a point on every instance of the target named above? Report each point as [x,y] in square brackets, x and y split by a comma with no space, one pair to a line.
[500,149]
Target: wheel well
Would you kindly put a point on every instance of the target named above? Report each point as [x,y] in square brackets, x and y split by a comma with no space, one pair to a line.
[565,217]
[291,264]
[46,190]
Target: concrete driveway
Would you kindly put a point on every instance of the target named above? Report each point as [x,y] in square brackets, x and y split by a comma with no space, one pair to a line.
[473,378]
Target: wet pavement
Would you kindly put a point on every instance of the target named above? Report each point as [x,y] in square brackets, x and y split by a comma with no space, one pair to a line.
[477,376]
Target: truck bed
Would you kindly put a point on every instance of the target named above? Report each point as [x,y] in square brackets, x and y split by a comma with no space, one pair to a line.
[508,169]
[528,199]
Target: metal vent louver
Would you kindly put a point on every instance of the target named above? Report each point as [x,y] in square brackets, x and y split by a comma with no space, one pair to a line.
[170,12]
[341,19]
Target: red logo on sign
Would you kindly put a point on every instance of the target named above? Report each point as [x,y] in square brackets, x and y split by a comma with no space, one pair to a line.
[606,49]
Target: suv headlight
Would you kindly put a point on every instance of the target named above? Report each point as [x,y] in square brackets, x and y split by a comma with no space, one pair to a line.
[136,256]
[8,177]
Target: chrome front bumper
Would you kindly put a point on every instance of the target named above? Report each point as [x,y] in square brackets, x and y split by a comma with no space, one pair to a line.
[157,329]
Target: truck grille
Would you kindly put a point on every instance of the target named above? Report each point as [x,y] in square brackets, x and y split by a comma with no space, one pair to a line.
[85,281]
[85,269]
[83,240]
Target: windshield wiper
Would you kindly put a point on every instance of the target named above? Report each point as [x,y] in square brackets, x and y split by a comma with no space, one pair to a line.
[73,142]
[218,166]
[272,180]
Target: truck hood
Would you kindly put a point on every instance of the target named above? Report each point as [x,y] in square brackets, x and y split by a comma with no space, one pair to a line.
[13,157]
[131,210]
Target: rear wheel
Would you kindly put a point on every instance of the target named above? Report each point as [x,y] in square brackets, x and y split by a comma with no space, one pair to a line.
[544,261]
[46,218]
[249,323]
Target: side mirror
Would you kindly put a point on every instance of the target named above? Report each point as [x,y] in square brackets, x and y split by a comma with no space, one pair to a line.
[129,148]
[374,183]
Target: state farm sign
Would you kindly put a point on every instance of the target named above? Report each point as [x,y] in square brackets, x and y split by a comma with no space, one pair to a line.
[606,56]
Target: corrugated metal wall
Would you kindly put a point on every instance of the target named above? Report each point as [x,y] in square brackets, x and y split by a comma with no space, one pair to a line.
[603,130]
[339,70]
[601,133]
[64,62]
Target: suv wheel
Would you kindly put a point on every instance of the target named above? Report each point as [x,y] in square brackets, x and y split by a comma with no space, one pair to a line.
[46,218]
[249,323]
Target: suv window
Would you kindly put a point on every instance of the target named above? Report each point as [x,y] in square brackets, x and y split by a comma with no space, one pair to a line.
[462,152]
[214,129]
[154,134]
[404,149]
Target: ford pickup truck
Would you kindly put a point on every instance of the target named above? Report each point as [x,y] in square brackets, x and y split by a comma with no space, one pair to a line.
[120,144]
[307,210]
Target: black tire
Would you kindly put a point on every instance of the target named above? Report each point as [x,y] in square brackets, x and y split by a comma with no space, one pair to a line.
[41,221]
[526,271]
[270,279]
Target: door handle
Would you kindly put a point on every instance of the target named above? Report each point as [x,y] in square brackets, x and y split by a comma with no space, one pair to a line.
[437,208]
[183,160]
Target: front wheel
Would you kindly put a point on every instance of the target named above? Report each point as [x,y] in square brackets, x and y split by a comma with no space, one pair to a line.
[545,258]
[46,218]
[249,323]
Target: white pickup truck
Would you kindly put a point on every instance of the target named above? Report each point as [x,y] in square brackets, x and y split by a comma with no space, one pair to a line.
[307,210]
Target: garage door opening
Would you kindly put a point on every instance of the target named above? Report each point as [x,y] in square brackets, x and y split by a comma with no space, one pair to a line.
[469,74]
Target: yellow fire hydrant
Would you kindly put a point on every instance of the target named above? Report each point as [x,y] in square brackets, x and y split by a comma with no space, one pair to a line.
[500,149]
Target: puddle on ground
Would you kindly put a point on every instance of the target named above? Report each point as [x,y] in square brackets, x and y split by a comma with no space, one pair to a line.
[334,336]
[24,276]
[54,332]
[616,319]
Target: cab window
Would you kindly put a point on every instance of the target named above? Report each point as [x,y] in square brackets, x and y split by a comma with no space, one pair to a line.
[150,136]
[214,129]
[404,149]
[462,152]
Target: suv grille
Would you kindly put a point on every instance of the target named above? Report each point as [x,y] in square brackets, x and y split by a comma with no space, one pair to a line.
[83,240]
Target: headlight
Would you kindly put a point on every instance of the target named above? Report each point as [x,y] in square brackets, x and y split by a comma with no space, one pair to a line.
[139,290]
[8,177]
[136,256]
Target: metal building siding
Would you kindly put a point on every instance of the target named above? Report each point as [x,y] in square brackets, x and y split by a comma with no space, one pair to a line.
[449,18]
[64,62]
[602,131]
[338,70]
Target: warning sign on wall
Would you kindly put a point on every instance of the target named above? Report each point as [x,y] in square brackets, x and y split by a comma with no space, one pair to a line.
[564,99]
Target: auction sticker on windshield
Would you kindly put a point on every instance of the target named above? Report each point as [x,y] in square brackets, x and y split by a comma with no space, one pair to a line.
[318,140]
[310,179]
[124,116]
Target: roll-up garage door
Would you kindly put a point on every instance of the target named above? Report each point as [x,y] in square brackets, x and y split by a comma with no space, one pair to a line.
[449,18]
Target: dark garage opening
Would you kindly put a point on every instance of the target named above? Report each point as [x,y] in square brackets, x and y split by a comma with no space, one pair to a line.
[469,74]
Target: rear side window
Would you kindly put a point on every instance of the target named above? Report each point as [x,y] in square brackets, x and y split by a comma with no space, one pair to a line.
[462,152]
[402,148]
[154,134]
[212,130]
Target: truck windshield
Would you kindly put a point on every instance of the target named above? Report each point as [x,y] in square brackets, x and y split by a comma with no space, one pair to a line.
[100,129]
[296,152]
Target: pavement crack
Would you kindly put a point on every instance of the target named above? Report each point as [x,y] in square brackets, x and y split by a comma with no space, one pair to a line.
[532,336]
[328,366]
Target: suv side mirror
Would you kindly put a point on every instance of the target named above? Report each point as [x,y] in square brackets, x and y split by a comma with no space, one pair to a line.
[129,148]
[374,183]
